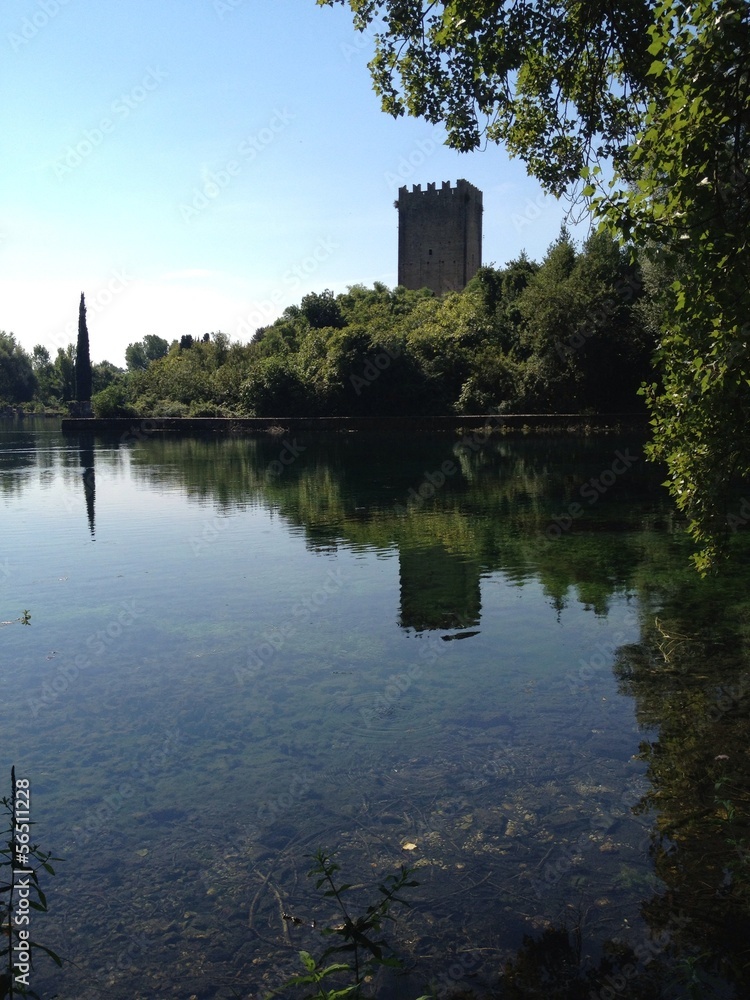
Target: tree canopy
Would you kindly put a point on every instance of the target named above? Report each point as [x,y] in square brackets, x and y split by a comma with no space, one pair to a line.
[562,335]
[140,353]
[17,379]
[643,110]
[558,84]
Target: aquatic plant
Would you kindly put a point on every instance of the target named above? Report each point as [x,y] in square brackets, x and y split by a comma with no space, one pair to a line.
[356,934]
[21,892]
[24,619]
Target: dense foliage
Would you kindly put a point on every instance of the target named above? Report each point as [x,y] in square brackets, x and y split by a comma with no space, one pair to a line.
[655,97]
[569,335]
[685,195]
[557,84]
[17,380]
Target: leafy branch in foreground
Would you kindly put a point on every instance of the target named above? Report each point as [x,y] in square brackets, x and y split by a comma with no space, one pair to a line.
[21,893]
[645,105]
[357,934]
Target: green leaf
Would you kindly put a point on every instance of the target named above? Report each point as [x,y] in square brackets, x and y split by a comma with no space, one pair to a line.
[335,994]
[47,951]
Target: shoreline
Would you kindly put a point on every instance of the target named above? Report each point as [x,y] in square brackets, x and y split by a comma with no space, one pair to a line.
[489,422]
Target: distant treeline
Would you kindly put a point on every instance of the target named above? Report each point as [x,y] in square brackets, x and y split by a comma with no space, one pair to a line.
[572,334]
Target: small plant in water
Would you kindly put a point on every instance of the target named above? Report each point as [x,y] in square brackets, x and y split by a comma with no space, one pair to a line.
[24,619]
[20,892]
[357,935]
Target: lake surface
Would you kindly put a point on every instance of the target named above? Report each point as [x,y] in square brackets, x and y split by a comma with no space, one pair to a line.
[486,658]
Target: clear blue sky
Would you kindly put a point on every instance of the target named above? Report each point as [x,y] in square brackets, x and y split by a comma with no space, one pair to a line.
[198,165]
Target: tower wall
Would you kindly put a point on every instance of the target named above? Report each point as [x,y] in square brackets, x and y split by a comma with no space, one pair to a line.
[439,236]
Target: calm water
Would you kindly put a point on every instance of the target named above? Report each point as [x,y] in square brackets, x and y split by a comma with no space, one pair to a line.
[493,652]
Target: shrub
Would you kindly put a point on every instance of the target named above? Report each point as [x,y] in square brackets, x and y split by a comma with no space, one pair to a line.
[112,402]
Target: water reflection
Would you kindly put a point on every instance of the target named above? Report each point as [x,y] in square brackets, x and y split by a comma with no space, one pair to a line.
[545,851]
[88,477]
[690,680]
[439,589]
[491,514]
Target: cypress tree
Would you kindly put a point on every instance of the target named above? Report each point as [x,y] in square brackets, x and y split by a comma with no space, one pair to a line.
[83,358]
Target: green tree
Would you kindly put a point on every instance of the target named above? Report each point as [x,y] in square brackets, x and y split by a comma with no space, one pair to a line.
[690,204]
[233,365]
[142,352]
[103,374]
[274,388]
[499,294]
[321,309]
[613,348]
[656,96]
[65,368]
[550,307]
[558,85]
[112,401]
[188,380]
[17,379]
[83,358]
[48,391]
[581,337]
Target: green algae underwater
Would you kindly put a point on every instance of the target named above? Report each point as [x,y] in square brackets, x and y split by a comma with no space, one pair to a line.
[491,662]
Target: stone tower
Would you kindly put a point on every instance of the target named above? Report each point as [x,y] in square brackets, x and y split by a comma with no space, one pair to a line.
[439,236]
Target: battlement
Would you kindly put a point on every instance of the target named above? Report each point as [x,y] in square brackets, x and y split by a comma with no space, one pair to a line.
[439,235]
[462,187]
